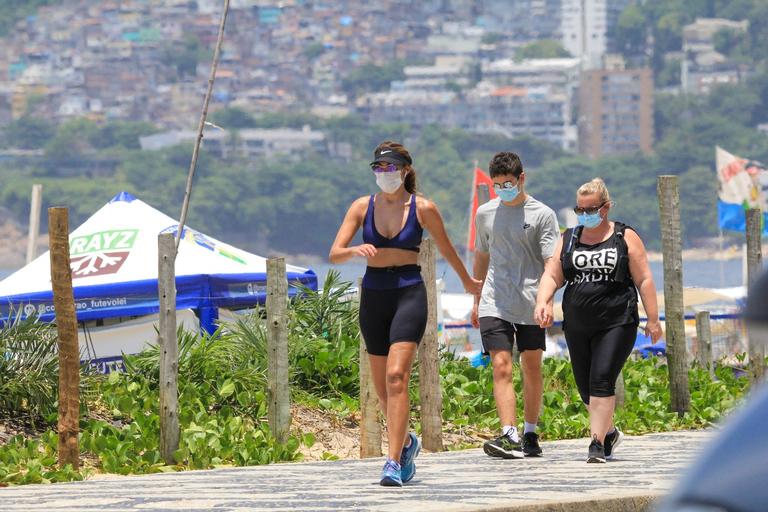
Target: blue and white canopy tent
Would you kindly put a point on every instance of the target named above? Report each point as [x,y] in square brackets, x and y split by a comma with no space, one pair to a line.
[114,273]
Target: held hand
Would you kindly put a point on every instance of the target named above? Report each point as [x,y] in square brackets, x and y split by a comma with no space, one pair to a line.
[474,317]
[473,286]
[364,250]
[653,329]
[543,315]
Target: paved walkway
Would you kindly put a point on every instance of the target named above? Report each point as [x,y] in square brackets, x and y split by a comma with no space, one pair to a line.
[466,480]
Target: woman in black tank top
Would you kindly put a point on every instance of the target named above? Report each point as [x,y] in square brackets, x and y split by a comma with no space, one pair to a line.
[602,265]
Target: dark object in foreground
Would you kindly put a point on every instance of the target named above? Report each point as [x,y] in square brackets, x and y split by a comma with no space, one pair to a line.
[731,475]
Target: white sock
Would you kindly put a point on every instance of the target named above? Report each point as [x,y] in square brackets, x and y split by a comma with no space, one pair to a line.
[511,432]
[529,427]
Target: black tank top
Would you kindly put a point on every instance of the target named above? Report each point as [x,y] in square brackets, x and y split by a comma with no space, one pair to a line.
[599,293]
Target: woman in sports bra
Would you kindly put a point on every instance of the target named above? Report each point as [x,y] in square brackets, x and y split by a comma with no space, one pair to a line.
[393,301]
[602,264]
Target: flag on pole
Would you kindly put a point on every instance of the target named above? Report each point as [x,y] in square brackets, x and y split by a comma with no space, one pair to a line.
[743,184]
[479,177]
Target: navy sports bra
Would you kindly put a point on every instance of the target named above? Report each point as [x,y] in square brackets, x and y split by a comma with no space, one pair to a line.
[409,238]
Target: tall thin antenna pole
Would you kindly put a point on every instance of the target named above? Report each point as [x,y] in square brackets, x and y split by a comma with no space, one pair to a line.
[201,125]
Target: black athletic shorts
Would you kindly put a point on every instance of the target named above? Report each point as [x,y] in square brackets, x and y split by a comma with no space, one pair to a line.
[390,316]
[498,334]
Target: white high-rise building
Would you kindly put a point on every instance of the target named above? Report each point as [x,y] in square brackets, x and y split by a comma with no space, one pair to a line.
[587,28]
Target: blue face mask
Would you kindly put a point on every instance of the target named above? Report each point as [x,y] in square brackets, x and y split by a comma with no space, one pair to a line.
[589,220]
[507,194]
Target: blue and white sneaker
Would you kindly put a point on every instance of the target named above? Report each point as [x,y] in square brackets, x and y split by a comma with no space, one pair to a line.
[390,475]
[408,456]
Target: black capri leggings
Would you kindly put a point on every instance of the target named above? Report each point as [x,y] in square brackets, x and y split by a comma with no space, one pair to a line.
[598,356]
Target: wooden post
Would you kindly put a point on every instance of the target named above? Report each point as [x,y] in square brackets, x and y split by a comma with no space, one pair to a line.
[430,392]
[370,426]
[34,222]
[671,239]
[169,348]
[277,347]
[704,342]
[620,390]
[754,234]
[66,326]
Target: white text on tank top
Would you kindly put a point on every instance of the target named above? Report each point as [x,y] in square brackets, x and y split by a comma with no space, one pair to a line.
[595,266]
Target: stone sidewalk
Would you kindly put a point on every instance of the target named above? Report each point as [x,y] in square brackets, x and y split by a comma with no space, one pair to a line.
[466,480]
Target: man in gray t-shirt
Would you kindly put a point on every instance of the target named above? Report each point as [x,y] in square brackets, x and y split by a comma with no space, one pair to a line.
[514,237]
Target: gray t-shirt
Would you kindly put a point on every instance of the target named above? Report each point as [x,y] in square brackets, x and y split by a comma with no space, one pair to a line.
[519,239]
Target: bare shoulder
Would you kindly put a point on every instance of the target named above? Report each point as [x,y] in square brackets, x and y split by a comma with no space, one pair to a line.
[360,203]
[633,239]
[423,204]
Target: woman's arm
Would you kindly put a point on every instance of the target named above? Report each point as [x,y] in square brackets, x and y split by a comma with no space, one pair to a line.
[349,226]
[550,281]
[643,279]
[433,222]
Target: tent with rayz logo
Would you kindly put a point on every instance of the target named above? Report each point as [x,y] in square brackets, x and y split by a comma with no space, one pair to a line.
[114,274]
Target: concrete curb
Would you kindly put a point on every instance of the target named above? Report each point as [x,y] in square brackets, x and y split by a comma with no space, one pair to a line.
[639,503]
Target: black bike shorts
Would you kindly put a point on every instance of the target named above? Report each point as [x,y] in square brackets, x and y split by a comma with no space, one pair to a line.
[391,316]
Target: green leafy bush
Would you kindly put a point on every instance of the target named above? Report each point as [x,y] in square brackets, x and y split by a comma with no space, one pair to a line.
[29,369]
[223,404]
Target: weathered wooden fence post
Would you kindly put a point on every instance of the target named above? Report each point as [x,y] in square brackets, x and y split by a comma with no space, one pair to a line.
[704,342]
[671,239]
[754,234]
[66,326]
[34,222]
[620,390]
[169,347]
[430,391]
[370,426]
[277,347]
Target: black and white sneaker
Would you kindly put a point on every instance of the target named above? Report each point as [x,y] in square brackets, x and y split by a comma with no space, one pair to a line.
[503,447]
[596,452]
[531,446]
[612,440]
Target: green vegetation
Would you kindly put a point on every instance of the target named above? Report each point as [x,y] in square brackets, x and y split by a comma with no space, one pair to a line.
[223,403]
[371,78]
[542,49]
[662,22]
[261,203]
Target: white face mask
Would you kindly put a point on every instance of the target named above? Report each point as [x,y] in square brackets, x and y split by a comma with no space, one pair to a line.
[388,182]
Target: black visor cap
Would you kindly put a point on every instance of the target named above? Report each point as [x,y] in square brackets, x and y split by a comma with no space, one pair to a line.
[389,156]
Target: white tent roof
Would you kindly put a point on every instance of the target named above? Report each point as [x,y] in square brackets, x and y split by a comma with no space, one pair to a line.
[114,254]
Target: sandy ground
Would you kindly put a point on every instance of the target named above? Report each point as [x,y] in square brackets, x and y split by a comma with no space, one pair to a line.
[341,436]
